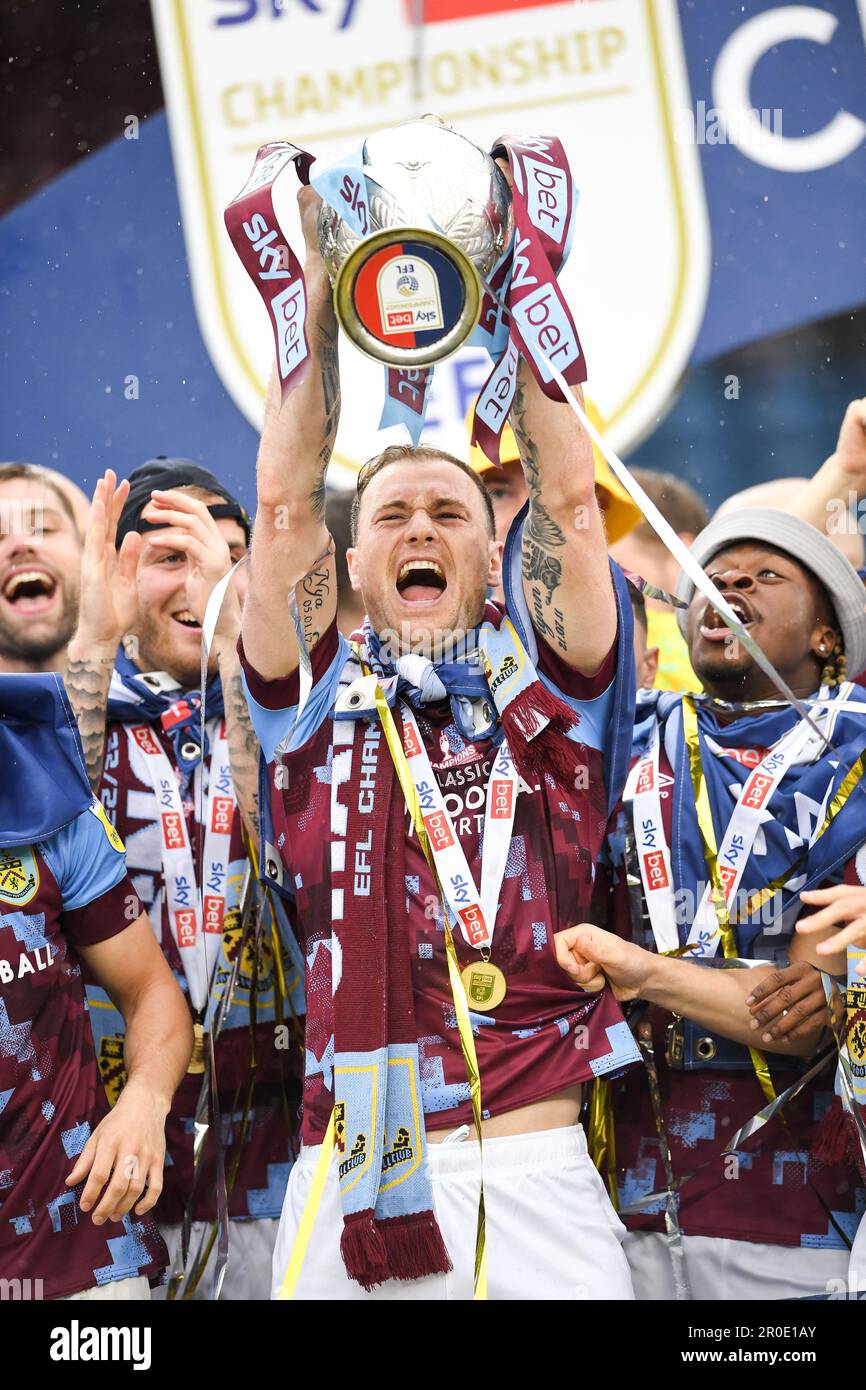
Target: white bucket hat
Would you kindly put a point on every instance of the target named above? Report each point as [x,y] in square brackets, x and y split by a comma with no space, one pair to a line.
[810,548]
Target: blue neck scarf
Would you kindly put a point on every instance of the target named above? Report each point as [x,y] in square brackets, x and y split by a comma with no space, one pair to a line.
[788,844]
[44,784]
[133,698]
[460,678]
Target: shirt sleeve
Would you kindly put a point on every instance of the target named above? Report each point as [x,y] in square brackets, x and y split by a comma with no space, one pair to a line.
[88,862]
[273,704]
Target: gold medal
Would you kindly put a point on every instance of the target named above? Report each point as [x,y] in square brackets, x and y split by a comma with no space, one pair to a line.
[196,1061]
[485,985]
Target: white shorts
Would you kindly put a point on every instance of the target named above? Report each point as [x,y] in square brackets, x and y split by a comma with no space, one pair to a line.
[251,1250]
[857,1270]
[552,1232]
[727,1271]
[137,1288]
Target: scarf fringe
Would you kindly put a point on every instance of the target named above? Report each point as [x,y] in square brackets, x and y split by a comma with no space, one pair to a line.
[837,1140]
[536,724]
[363,1250]
[415,1246]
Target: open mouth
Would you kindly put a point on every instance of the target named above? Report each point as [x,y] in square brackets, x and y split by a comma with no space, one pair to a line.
[187,620]
[30,591]
[421,581]
[715,629]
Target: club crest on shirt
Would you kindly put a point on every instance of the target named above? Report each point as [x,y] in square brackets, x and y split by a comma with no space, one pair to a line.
[19,876]
[855,1032]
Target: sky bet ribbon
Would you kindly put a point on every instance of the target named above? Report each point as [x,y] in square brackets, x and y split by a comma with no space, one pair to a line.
[544,202]
[268,259]
[521,311]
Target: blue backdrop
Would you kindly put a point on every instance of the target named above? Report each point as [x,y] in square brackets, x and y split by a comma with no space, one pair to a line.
[95,289]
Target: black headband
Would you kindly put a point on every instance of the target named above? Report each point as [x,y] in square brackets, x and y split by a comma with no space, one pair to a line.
[166,473]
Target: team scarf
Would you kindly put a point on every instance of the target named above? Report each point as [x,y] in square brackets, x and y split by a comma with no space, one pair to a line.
[389,1229]
[44,785]
[152,697]
[810,828]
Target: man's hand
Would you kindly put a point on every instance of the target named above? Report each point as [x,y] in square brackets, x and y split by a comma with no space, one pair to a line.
[108,604]
[851,444]
[190,529]
[108,608]
[123,1158]
[788,1003]
[844,902]
[591,956]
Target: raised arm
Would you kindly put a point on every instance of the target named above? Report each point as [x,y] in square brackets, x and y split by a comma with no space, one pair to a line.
[825,499]
[566,577]
[107,609]
[290,538]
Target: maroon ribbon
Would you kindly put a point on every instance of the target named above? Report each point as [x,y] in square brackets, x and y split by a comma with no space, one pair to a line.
[541,325]
[268,259]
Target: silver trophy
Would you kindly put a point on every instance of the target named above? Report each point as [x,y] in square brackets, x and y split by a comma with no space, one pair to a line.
[409,292]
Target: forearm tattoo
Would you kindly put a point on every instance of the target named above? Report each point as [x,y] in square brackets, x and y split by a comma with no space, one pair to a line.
[329,359]
[542,536]
[243,750]
[87,683]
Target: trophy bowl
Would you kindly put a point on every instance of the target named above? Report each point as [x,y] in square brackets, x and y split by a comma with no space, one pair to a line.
[409,293]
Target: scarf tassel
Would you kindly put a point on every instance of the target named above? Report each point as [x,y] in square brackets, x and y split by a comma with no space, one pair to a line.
[836,1140]
[415,1246]
[363,1250]
[535,723]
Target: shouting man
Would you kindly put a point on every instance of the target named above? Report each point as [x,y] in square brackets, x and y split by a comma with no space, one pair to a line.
[505,732]
[738,809]
[40,561]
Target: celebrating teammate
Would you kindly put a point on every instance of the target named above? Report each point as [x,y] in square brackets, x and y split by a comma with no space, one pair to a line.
[78,1183]
[155,549]
[739,807]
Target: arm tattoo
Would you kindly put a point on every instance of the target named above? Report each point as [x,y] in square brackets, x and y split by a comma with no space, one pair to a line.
[314,589]
[330,372]
[243,750]
[87,683]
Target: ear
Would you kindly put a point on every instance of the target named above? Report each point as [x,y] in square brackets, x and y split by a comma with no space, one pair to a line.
[823,641]
[494,568]
[354,569]
[649,668]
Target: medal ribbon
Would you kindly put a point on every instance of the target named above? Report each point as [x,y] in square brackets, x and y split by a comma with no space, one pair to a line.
[192,921]
[654,856]
[739,838]
[474,911]
[708,837]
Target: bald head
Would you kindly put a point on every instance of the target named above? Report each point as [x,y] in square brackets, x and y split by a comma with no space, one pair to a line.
[780,493]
